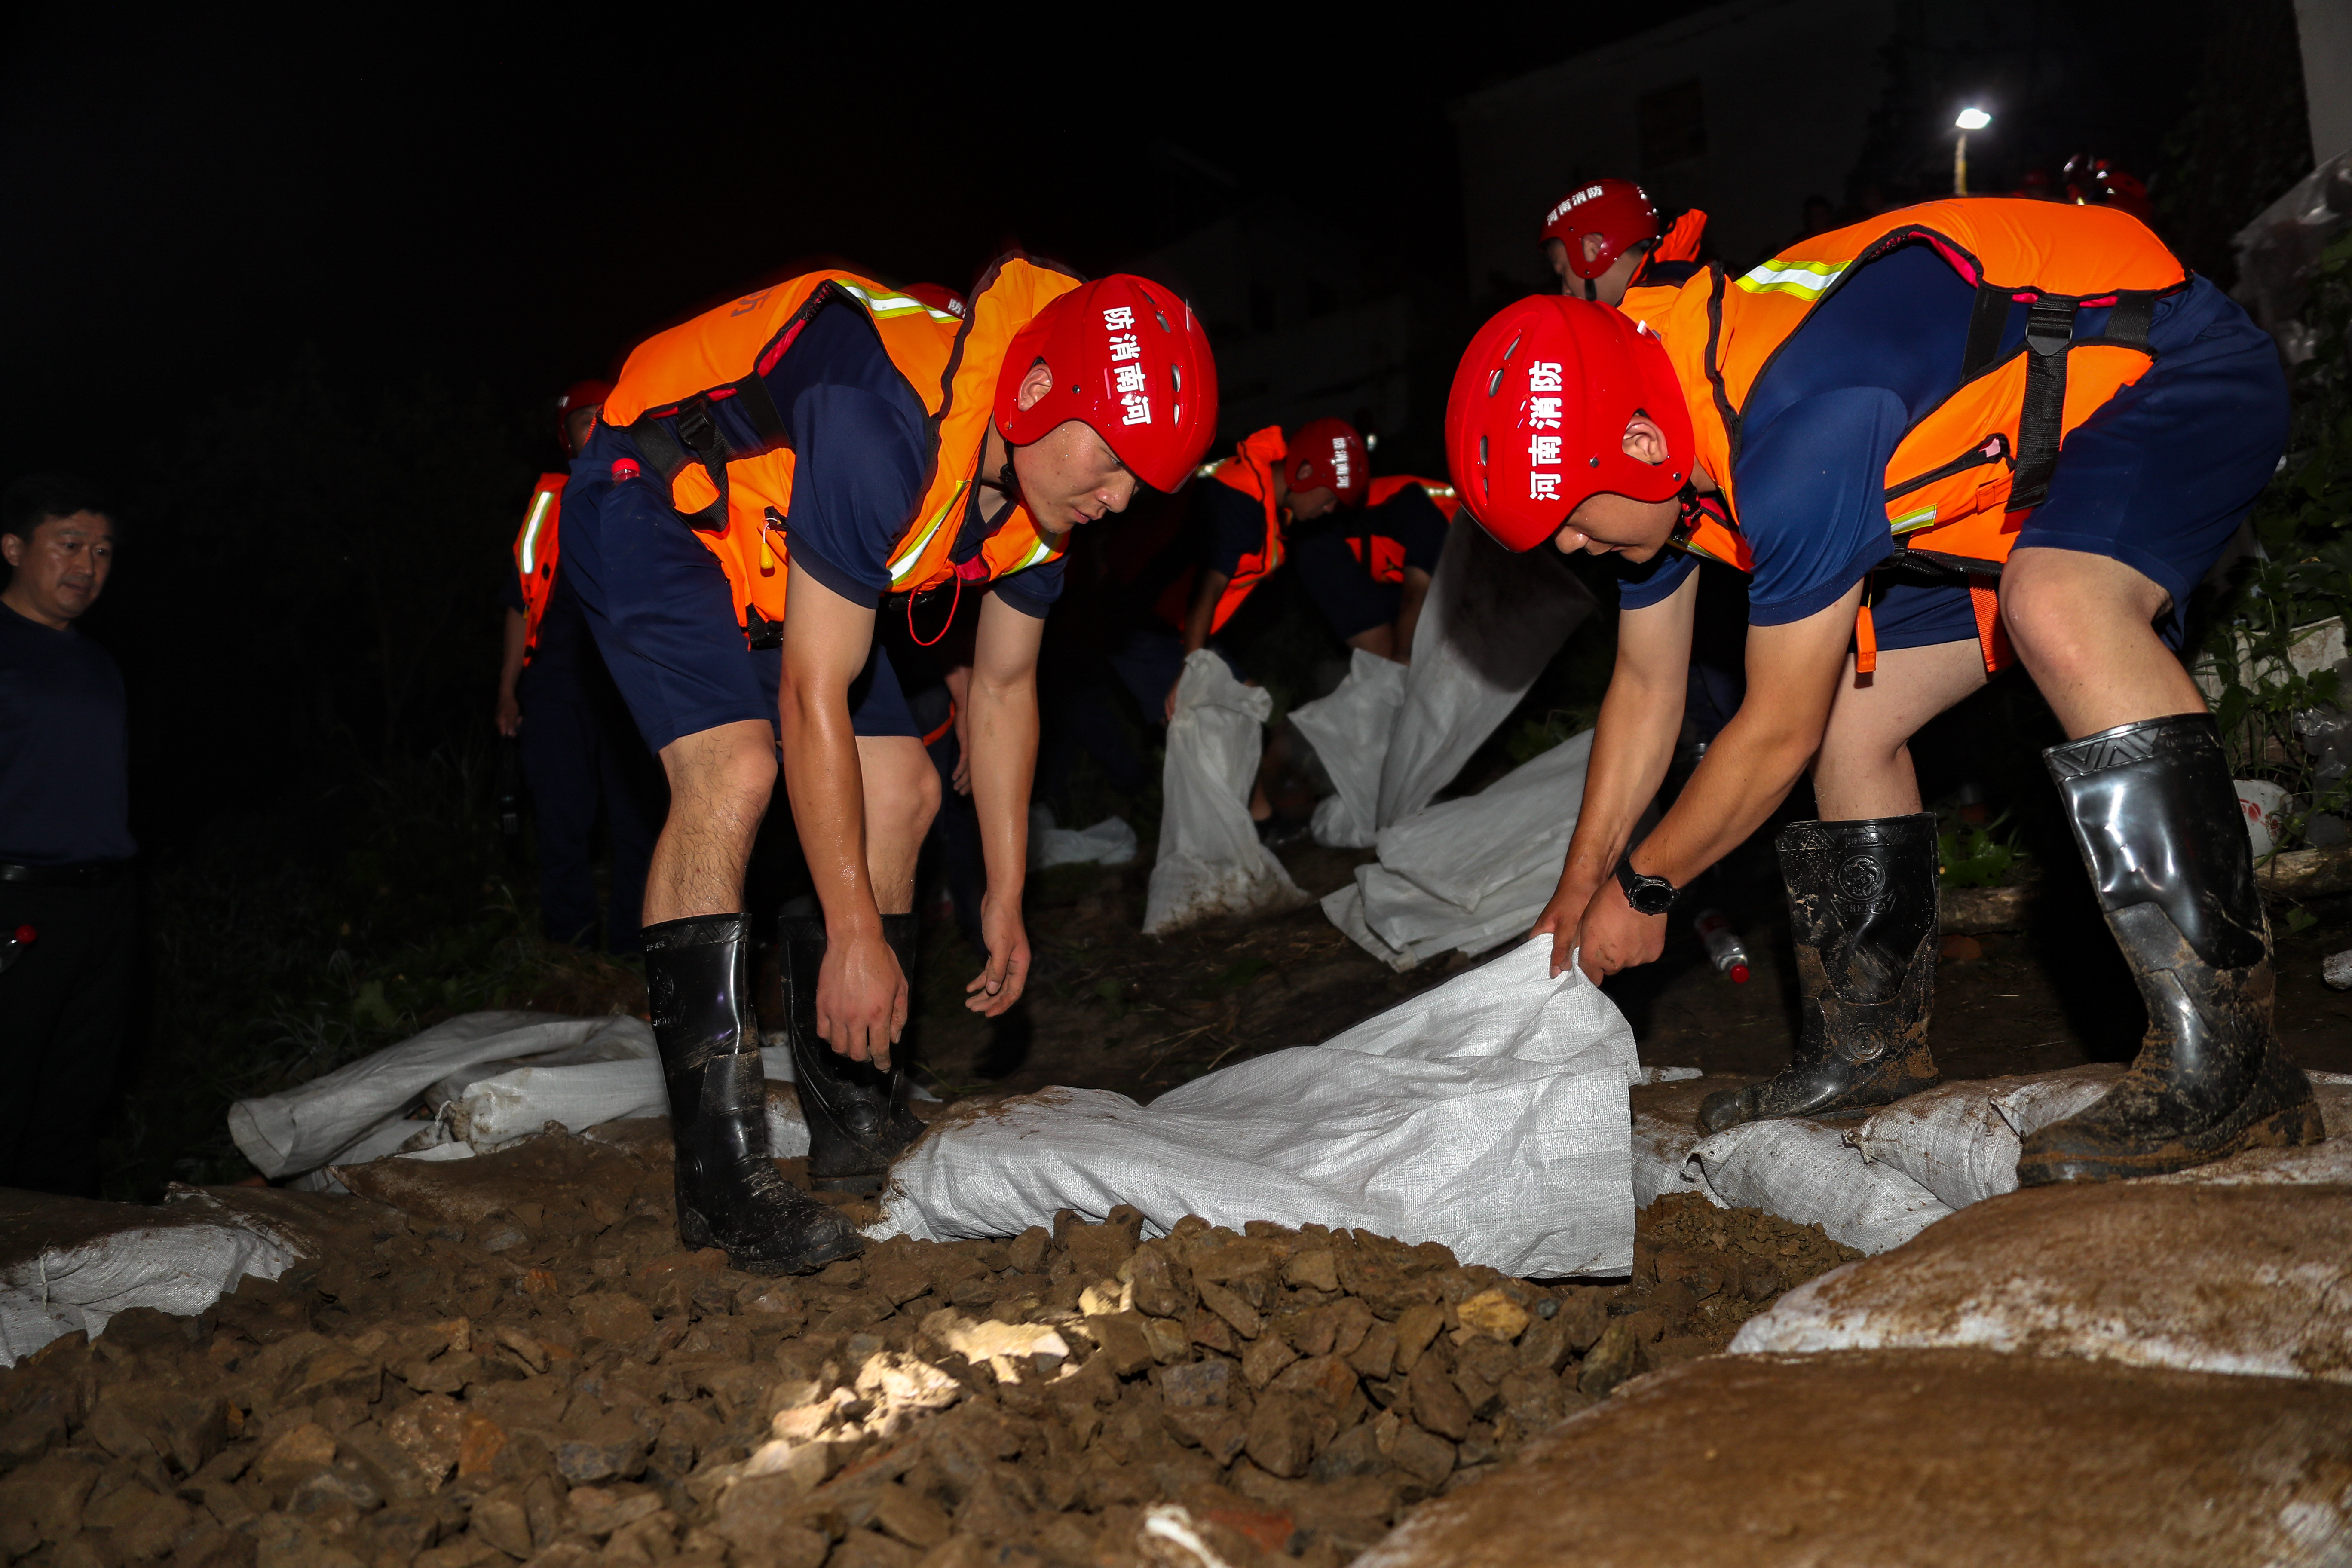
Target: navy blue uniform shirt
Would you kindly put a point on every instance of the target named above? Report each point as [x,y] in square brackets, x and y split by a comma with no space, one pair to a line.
[65,785]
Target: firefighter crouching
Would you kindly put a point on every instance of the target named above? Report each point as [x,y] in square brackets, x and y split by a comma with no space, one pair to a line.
[872,454]
[1952,435]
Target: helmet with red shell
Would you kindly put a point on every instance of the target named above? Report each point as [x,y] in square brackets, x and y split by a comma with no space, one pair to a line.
[1618,210]
[2091,181]
[580,395]
[1536,422]
[1328,452]
[1131,361]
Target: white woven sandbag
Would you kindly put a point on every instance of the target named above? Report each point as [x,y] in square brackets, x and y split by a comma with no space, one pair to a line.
[1806,1172]
[1110,842]
[1350,731]
[180,1269]
[1490,1115]
[1490,624]
[1960,1139]
[1210,864]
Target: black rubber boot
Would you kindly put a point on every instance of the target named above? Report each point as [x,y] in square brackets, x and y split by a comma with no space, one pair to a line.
[1861,900]
[2156,818]
[858,1118]
[729,1193]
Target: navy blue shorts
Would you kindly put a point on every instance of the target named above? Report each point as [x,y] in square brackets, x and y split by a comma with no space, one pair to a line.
[1343,590]
[664,618]
[2158,478]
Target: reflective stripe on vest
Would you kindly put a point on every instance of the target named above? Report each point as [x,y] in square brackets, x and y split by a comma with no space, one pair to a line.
[1959,482]
[537,546]
[951,363]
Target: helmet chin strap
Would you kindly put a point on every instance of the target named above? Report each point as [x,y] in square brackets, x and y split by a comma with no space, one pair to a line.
[1591,291]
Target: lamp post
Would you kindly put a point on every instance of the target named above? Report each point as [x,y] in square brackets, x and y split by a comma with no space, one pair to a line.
[1971,118]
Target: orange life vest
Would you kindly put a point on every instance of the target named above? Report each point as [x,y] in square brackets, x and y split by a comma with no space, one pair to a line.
[535,550]
[1965,475]
[739,503]
[1251,471]
[1387,565]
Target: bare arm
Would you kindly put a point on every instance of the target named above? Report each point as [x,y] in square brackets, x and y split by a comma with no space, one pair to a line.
[1411,595]
[861,1000]
[1004,761]
[510,711]
[1641,719]
[958,685]
[1793,679]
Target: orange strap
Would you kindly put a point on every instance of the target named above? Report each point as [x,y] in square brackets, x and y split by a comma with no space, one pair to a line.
[1991,635]
[945,725]
[1865,638]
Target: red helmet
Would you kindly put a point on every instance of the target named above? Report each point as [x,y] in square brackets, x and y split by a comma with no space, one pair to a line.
[1536,422]
[1618,210]
[580,395]
[2092,181]
[1131,360]
[1329,452]
[937,296]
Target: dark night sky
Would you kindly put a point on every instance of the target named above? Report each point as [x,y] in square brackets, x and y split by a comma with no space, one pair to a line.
[193,210]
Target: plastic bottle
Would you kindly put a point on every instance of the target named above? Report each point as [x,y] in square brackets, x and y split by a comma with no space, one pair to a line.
[13,946]
[1723,948]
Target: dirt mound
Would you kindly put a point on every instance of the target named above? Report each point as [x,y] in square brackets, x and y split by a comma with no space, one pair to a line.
[508,1358]
[1956,1456]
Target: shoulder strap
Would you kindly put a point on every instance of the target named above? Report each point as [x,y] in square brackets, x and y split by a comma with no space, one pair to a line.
[1990,315]
[2040,426]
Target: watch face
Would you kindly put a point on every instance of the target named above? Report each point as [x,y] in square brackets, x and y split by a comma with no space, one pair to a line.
[1654,898]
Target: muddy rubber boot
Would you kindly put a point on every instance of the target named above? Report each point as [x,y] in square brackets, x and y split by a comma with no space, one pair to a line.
[2156,818]
[1862,901]
[857,1120]
[729,1193]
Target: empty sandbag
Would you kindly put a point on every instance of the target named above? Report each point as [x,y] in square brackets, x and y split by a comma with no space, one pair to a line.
[1210,864]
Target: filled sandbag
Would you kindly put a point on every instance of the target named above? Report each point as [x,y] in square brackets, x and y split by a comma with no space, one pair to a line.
[1470,874]
[1491,622]
[1110,842]
[1808,1173]
[2235,1278]
[1211,865]
[1489,1113]
[1349,731]
[1957,1457]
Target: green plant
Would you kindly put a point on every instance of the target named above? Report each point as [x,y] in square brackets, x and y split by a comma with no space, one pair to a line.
[2303,577]
[1973,857]
[1533,737]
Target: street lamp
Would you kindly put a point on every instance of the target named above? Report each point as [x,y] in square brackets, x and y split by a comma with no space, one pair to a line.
[1971,118]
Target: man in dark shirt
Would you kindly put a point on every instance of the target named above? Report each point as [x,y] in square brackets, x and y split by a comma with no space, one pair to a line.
[66,900]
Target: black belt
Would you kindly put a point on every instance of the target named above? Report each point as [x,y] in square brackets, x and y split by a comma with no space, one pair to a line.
[88,874]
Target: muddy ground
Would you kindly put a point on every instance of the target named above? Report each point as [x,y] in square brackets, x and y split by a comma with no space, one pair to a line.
[509,1359]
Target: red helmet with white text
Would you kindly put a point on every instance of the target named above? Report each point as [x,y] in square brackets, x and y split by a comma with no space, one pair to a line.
[1618,210]
[1329,452]
[1131,360]
[1536,423]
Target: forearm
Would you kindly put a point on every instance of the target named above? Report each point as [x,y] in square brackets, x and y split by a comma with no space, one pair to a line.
[1203,614]
[510,656]
[1632,745]
[825,786]
[1743,779]
[1004,729]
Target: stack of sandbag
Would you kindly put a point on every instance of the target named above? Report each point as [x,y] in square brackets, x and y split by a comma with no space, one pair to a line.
[1211,865]
[1489,1114]
[1470,874]
[1875,1182]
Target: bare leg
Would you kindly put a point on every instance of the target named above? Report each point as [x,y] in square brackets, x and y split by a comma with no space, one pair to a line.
[720,781]
[901,793]
[1864,769]
[1380,639]
[2083,626]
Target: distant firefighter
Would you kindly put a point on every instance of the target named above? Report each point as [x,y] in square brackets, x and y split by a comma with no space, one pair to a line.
[1603,236]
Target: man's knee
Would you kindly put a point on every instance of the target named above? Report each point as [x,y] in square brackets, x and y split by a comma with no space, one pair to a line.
[902,788]
[724,773]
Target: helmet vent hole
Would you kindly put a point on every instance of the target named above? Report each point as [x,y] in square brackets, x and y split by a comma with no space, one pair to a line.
[1176,374]
[1482,451]
[1162,318]
[1495,382]
[1513,349]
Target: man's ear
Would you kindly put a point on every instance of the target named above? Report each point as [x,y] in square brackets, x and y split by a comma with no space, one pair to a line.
[1644,442]
[1034,386]
[12,549]
[1593,246]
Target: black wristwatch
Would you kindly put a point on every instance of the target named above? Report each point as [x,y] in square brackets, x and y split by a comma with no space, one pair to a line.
[1648,895]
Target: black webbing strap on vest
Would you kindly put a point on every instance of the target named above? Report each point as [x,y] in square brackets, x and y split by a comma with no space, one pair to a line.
[698,439]
[1985,324]
[2041,423]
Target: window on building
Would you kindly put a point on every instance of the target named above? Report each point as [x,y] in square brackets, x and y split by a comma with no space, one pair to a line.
[1672,122]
